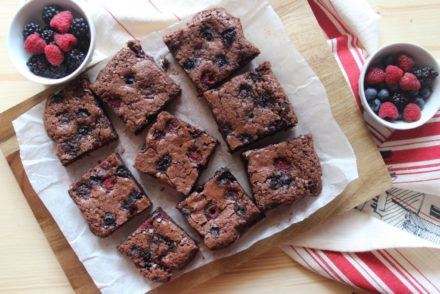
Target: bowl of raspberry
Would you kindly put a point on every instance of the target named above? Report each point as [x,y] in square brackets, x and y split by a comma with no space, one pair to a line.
[51,42]
[399,86]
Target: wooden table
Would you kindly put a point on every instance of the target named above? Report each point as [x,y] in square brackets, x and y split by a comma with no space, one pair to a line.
[27,263]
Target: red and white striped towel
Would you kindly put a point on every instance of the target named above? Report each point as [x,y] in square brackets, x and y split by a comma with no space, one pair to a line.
[413,159]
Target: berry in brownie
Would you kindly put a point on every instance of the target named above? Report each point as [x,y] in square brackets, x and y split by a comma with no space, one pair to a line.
[211,47]
[108,196]
[175,152]
[220,210]
[74,119]
[250,106]
[159,247]
[283,173]
[134,87]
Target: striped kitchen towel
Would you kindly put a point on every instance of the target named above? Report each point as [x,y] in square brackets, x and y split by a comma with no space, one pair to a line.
[359,250]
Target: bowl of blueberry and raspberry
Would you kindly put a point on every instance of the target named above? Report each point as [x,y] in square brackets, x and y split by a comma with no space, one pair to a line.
[399,86]
[51,42]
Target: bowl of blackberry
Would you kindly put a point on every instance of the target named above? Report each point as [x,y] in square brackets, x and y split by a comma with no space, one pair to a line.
[399,86]
[51,42]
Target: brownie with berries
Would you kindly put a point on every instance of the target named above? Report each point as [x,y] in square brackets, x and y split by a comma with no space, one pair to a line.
[250,106]
[159,247]
[108,196]
[211,47]
[220,210]
[134,87]
[283,173]
[75,120]
[175,152]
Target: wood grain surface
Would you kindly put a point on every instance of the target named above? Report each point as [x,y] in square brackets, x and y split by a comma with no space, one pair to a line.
[28,265]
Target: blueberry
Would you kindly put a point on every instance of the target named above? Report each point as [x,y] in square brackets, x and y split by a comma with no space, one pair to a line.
[163,164]
[158,239]
[225,178]
[240,210]
[420,102]
[212,211]
[84,130]
[95,180]
[228,36]
[263,101]
[135,251]
[196,133]
[375,105]
[83,191]
[244,138]
[135,196]
[245,90]
[171,244]
[130,79]
[425,92]
[285,179]
[370,93]
[220,60]
[82,112]
[64,118]
[122,172]
[215,231]
[388,60]
[274,182]
[109,219]
[207,34]
[189,64]
[384,95]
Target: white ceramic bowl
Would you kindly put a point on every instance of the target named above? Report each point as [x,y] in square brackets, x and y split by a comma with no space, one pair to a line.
[31,11]
[422,58]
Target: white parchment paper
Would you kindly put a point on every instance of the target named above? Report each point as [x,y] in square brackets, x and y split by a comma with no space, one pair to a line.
[114,273]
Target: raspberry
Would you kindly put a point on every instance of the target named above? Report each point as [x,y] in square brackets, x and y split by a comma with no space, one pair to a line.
[54,54]
[412,112]
[65,41]
[388,111]
[375,76]
[409,82]
[405,62]
[34,44]
[393,75]
[62,21]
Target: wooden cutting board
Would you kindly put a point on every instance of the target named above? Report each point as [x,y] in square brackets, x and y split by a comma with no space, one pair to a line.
[373,176]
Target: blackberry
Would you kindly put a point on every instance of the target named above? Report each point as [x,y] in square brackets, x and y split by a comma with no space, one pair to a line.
[80,27]
[74,59]
[49,12]
[83,44]
[38,64]
[425,74]
[399,100]
[31,28]
[47,34]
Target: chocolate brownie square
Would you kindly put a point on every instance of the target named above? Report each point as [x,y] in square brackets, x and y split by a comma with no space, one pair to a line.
[175,152]
[159,247]
[220,210]
[108,196]
[283,173]
[76,122]
[250,106]
[211,47]
[134,87]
